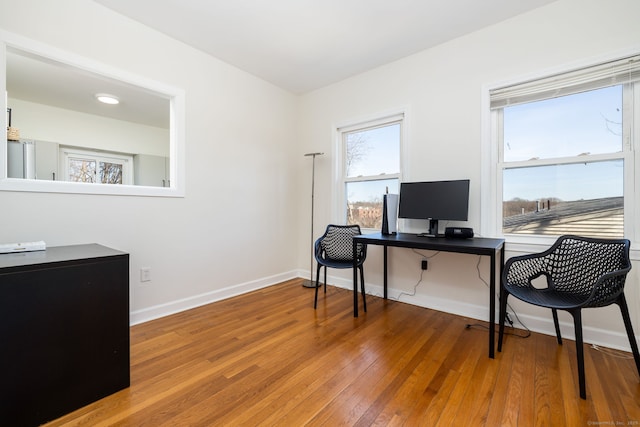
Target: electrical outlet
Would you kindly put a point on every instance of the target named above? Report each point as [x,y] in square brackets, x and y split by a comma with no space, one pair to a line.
[423,265]
[145,274]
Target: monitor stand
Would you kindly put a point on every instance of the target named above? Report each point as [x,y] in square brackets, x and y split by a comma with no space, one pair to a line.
[433,229]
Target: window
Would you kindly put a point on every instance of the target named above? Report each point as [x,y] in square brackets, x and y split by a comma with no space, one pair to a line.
[370,167]
[565,152]
[96,167]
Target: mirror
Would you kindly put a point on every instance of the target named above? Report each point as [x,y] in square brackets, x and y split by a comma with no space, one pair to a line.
[63,139]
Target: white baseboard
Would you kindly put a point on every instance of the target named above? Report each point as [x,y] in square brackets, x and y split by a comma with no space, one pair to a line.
[162,310]
[601,337]
[591,335]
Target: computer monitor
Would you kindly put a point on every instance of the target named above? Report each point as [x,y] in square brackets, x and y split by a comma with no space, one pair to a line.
[434,200]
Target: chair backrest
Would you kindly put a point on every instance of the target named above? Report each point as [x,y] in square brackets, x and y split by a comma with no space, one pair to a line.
[576,264]
[337,242]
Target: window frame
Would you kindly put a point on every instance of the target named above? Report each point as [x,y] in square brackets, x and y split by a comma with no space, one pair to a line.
[339,170]
[67,153]
[492,160]
[177,120]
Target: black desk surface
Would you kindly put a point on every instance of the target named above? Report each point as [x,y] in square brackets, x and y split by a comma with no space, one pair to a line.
[474,245]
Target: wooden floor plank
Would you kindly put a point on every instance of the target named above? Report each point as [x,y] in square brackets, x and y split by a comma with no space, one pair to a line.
[548,399]
[267,358]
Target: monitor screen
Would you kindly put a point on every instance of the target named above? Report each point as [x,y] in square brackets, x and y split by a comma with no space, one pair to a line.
[438,200]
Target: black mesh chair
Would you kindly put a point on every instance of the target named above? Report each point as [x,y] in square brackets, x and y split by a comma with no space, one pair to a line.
[335,249]
[580,273]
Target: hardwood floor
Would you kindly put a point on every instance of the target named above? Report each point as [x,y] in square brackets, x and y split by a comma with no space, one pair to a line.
[268,358]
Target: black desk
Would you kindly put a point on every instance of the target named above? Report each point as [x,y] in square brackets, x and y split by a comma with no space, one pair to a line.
[475,246]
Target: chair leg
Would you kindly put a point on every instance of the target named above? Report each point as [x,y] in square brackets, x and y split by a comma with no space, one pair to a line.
[364,298]
[557,325]
[315,301]
[325,279]
[577,322]
[622,303]
[503,315]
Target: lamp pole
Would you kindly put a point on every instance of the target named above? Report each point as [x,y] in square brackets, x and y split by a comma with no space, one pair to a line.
[310,283]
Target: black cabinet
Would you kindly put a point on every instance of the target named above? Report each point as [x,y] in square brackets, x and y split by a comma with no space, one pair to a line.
[64,330]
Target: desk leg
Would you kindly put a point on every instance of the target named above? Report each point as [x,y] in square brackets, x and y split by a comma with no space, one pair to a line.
[355,280]
[492,306]
[385,272]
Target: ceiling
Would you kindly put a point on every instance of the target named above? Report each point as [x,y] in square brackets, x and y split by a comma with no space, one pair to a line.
[302,45]
[44,81]
[298,45]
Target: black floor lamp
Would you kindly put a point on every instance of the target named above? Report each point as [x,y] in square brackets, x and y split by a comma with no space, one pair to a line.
[310,283]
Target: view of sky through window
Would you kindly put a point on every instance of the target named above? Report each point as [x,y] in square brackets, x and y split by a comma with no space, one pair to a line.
[581,181]
[575,125]
[371,168]
[587,122]
[373,151]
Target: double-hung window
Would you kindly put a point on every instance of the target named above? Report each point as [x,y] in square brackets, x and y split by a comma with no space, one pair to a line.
[96,167]
[370,167]
[565,152]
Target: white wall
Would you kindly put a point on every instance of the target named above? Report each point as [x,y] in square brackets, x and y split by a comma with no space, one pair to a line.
[247,182]
[232,230]
[441,89]
[46,123]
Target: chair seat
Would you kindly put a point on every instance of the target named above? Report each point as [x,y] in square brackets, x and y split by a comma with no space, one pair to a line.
[547,298]
[337,264]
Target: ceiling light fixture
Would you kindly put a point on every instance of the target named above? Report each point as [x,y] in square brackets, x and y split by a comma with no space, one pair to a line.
[107,99]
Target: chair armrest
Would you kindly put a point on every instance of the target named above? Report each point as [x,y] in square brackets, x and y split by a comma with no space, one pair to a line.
[362,251]
[317,249]
[520,270]
[607,288]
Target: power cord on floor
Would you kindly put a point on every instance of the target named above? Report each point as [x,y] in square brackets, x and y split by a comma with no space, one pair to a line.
[480,325]
[508,318]
[612,352]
